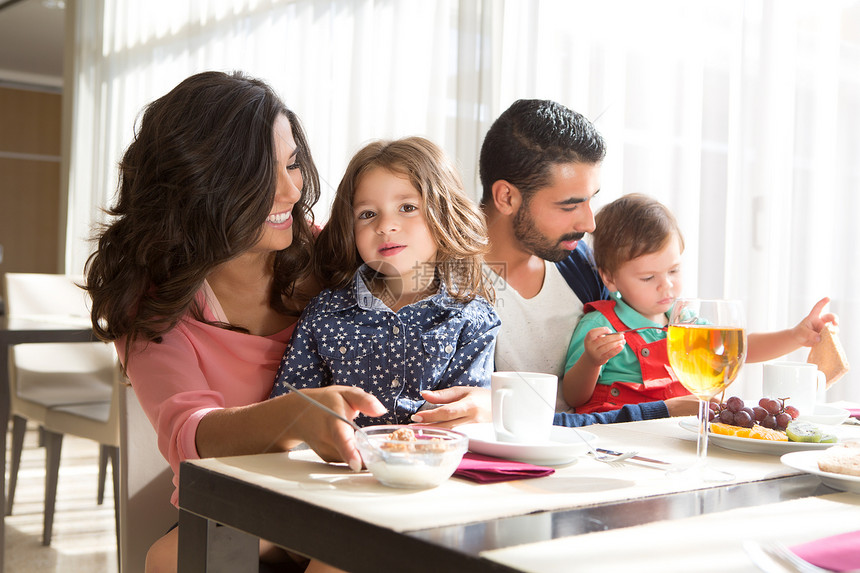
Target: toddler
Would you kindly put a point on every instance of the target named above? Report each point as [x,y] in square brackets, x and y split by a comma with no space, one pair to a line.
[637,250]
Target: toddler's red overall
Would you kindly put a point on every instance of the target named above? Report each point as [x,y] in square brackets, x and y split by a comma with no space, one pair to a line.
[658,379]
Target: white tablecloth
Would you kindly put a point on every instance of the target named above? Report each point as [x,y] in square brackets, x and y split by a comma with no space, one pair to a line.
[587,482]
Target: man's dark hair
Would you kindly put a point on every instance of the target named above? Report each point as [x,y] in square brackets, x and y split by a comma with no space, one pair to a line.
[530,137]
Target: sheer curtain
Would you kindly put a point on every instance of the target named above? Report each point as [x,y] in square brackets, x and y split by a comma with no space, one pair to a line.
[743,116]
[353,70]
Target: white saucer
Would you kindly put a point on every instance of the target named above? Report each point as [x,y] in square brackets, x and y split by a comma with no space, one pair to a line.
[563,447]
[826,414]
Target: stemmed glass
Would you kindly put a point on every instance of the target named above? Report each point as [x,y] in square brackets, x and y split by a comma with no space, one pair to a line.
[707,345]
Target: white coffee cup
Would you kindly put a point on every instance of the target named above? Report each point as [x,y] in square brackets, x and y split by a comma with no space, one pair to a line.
[523,406]
[797,382]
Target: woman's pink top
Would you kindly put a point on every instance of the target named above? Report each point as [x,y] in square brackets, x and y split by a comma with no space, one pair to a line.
[198,368]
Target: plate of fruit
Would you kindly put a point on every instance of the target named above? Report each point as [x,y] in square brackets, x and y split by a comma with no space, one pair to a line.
[769,427]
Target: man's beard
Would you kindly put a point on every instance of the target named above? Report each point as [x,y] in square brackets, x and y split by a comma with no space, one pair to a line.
[526,232]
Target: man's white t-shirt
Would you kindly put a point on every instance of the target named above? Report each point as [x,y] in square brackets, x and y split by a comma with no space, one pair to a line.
[535,332]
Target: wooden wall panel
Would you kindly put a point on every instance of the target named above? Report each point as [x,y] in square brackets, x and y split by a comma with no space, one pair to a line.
[29,195]
[30,125]
[30,122]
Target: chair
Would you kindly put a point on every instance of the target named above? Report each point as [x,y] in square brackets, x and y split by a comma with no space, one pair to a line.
[146,484]
[66,388]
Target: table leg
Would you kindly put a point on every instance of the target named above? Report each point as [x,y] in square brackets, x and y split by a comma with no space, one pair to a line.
[206,547]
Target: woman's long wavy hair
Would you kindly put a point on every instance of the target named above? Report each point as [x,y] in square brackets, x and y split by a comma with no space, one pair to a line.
[195,188]
[455,222]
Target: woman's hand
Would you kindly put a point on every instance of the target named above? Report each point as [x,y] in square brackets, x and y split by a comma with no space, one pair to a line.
[456,406]
[330,438]
[683,405]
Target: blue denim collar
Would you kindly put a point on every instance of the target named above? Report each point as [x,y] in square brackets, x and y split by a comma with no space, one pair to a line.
[358,294]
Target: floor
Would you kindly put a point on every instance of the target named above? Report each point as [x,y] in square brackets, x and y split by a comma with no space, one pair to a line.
[84,538]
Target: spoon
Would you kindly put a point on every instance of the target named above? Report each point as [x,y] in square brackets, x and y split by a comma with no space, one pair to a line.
[663,328]
[690,320]
[321,406]
[605,456]
[328,410]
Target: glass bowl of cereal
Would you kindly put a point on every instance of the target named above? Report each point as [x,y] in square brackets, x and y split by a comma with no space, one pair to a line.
[411,456]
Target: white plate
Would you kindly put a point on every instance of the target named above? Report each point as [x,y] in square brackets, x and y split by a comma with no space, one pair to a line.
[752,445]
[826,414]
[808,462]
[563,447]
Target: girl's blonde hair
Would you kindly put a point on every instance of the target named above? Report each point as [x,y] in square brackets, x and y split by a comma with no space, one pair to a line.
[630,227]
[455,222]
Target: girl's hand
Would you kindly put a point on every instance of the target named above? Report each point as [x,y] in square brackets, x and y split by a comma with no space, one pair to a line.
[330,438]
[457,405]
[807,332]
[601,344]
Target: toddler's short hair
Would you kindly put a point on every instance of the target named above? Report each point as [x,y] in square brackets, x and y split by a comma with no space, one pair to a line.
[629,227]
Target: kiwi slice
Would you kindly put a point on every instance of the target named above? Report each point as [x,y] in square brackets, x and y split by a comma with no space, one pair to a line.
[807,432]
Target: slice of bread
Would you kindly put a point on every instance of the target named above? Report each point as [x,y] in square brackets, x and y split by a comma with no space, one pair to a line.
[829,355]
[841,459]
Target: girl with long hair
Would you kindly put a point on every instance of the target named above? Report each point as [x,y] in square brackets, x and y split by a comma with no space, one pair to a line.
[407,306]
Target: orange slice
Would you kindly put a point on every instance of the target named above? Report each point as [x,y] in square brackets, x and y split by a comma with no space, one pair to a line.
[727,430]
[762,433]
[756,432]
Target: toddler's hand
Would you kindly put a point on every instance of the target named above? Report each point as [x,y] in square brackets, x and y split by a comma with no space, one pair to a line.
[601,344]
[807,332]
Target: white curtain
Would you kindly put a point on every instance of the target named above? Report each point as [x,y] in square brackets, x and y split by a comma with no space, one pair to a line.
[353,70]
[743,116]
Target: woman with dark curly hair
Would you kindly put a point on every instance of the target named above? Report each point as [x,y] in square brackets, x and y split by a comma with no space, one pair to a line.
[203,271]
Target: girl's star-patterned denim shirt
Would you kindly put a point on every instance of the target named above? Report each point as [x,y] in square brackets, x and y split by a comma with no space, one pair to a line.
[349,337]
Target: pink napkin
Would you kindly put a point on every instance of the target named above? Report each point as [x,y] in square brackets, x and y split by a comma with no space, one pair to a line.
[485,469]
[836,553]
[855,412]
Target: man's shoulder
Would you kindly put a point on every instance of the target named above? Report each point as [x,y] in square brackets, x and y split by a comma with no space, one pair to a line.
[581,259]
[581,275]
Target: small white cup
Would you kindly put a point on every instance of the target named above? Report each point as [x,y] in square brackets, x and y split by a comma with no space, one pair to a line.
[797,382]
[523,406]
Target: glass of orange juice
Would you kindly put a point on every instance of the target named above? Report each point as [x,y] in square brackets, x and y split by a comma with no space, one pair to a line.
[707,345]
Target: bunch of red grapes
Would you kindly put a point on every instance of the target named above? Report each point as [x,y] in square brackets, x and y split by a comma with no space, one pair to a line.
[770,413]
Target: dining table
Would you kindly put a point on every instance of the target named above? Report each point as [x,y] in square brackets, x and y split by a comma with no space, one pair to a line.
[26,329]
[586,516]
